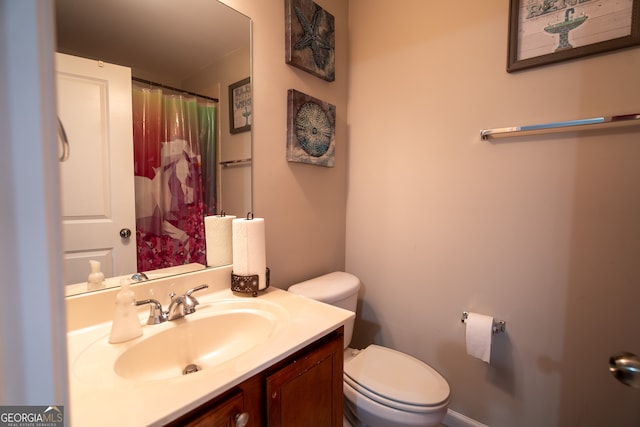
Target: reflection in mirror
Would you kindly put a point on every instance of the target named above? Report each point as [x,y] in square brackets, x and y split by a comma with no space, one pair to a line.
[178,49]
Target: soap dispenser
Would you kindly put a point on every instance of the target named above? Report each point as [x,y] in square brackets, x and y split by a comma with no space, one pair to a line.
[95,280]
[126,324]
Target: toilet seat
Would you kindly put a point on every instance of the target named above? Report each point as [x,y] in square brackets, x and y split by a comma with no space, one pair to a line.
[396,380]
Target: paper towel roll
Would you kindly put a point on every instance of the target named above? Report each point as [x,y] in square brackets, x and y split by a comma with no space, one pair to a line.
[479,328]
[249,249]
[217,231]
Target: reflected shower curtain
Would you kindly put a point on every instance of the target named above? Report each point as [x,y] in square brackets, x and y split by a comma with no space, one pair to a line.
[207,128]
[172,134]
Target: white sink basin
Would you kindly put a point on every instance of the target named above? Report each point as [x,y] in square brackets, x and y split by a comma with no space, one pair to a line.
[202,342]
[101,397]
[216,333]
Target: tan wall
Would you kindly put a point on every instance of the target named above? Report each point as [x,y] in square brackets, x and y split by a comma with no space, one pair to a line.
[303,205]
[542,232]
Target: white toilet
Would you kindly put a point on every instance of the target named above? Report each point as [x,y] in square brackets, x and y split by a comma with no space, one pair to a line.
[382,387]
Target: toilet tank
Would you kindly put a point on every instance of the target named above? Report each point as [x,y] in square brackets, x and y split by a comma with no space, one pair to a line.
[338,288]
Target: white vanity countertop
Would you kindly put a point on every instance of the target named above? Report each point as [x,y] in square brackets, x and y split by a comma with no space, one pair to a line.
[99,397]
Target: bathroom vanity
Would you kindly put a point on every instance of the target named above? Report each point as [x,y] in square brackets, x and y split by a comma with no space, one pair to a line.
[277,358]
[304,389]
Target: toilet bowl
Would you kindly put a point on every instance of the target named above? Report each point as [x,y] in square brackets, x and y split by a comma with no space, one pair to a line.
[382,387]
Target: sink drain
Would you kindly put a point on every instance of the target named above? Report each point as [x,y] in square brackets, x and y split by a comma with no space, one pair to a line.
[190,369]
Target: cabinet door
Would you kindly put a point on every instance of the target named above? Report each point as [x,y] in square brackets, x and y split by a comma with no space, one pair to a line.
[308,391]
[222,414]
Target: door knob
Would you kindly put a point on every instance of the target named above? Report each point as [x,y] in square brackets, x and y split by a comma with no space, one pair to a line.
[125,233]
[242,419]
[625,367]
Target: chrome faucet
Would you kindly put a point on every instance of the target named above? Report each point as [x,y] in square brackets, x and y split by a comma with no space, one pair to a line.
[184,304]
[180,306]
[139,277]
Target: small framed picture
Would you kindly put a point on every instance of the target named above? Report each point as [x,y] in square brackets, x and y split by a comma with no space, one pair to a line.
[240,106]
[545,32]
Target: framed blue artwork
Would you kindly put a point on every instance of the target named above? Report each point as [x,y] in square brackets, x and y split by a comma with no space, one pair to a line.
[311,130]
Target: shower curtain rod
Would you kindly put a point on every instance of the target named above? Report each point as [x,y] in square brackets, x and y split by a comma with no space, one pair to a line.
[149,82]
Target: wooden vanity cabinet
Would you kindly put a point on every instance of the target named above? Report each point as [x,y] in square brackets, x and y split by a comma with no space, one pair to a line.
[305,389]
[221,413]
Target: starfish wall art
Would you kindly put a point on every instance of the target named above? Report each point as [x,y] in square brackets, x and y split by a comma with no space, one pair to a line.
[310,38]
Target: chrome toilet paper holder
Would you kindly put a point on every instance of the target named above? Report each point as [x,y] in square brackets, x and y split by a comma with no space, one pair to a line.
[497,328]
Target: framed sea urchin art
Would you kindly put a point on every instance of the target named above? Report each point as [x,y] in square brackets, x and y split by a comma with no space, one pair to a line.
[311,130]
[310,38]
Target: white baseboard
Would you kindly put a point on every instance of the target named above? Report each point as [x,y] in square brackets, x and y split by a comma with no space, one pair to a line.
[454,419]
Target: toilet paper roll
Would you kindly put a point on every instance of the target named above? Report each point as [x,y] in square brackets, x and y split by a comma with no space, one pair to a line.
[218,237]
[249,249]
[479,328]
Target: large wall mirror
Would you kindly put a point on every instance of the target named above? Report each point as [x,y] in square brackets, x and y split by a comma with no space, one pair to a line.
[187,49]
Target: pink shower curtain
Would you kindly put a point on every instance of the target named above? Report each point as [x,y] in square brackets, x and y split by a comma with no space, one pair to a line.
[168,179]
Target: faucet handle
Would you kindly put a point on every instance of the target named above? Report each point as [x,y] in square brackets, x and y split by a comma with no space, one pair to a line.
[197,288]
[190,302]
[156,315]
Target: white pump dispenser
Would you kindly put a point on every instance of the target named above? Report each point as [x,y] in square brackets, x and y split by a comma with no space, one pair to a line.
[126,324]
[95,280]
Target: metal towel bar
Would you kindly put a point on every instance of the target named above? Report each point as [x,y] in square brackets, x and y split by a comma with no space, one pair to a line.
[485,134]
[228,163]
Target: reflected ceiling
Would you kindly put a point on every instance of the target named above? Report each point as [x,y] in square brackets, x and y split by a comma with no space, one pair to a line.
[139,33]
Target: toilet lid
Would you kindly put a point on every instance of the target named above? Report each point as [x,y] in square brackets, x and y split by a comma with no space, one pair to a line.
[390,376]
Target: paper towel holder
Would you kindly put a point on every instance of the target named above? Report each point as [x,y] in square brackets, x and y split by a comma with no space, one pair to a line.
[497,328]
[249,284]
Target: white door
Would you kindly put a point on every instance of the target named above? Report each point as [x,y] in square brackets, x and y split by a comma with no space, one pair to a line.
[94,106]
